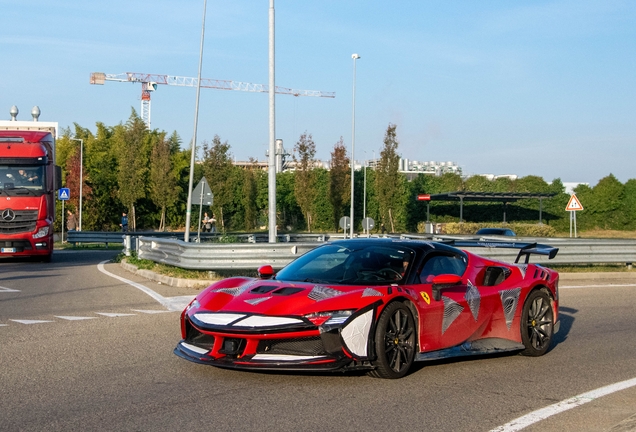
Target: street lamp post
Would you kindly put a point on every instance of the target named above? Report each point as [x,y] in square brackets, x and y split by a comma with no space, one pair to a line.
[81,180]
[193,148]
[353,138]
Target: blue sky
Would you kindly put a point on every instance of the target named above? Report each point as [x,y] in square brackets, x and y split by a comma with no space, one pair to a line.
[501,87]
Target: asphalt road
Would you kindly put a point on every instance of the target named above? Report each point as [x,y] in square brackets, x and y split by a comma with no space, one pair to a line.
[114,368]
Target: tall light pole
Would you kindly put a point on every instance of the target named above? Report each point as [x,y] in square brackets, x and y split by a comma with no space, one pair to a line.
[186,236]
[353,138]
[81,179]
[271,182]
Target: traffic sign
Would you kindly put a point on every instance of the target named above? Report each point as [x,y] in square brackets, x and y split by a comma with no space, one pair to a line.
[423,197]
[203,193]
[368,224]
[345,222]
[574,204]
[63,194]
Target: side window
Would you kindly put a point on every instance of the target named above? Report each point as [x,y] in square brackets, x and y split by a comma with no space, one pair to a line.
[442,264]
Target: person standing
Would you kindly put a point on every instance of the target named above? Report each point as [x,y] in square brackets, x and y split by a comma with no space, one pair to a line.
[213,223]
[71,221]
[207,226]
[124,222]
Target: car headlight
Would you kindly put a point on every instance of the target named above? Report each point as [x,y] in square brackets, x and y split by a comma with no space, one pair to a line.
[42,232]
[193,304]
[331,318]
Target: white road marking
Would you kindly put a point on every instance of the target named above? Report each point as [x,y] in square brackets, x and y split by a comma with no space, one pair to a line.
[171,303]
[73,318]
[146,311]
[114,315]
[4,325]
[557,408]
[598,286]
[30,321]
[4,289]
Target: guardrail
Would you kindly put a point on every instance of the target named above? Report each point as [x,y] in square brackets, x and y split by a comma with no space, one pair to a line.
[215,256]
[219,256]
[118,236]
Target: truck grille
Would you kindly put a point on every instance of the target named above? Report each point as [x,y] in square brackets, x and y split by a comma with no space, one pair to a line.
[24,221]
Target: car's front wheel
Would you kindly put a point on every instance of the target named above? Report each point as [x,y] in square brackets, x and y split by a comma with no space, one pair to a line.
[394,342]
[537,324]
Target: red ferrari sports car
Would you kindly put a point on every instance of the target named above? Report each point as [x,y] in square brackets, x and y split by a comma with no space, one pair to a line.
[375,304]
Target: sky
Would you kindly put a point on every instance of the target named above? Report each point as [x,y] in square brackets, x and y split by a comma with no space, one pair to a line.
[543,88]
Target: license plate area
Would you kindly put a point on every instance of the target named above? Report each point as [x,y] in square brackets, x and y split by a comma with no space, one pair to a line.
[7,250]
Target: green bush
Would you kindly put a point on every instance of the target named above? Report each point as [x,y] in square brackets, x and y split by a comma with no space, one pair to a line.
[522,229]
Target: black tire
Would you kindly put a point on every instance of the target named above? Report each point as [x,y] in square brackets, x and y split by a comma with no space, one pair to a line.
[395,342]
[537,324]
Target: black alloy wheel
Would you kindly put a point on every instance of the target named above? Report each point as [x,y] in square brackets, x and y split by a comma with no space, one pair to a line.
[394,342]
[537,324]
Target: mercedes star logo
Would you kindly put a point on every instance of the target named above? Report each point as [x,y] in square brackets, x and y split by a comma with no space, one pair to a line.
[8,215]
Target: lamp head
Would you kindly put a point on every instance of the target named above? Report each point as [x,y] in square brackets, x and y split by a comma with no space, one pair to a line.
[355,56]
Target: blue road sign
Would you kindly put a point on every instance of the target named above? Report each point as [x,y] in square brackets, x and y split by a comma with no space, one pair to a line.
[64,194]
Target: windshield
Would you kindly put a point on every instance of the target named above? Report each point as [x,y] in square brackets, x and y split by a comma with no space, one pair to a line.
[362,265]
[21,178]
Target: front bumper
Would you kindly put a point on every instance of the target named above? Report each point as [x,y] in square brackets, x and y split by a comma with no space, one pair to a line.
[299,347]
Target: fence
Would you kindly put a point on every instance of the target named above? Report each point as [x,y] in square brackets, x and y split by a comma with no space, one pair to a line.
[215,256]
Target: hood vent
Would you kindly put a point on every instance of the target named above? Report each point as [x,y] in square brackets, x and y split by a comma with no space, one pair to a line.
[264,289]
[287,291]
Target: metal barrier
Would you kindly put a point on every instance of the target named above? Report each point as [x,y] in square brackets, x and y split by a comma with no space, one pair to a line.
[216,256]
[117,236]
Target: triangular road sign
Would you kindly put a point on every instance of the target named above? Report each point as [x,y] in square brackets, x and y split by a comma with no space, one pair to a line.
[574,204]
[202,194]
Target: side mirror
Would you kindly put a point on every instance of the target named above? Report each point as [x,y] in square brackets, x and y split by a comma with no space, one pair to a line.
[443,281]
[58,178]
[265,272]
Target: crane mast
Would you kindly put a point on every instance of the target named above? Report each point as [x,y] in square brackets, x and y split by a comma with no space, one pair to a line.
[149,84]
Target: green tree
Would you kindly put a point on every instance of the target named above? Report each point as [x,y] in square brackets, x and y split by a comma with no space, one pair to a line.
[217,168]
[387,177]
[249,196]
[339,180]
[133,142]
[163,184]
[305,190]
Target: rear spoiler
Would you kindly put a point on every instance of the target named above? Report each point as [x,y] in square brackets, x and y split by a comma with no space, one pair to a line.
[525,249]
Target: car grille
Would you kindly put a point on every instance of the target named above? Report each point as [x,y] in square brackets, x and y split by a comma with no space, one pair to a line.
[24,221]
[20,245]
[295,346]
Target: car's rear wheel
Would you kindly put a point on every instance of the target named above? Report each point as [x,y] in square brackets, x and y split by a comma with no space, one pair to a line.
[394,342]
[537,324]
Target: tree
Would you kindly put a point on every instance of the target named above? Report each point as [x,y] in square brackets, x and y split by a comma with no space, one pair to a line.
[387,176]
[217,168]
[133,141]
[163,184]
[339,180]
[249,196]
[304,189]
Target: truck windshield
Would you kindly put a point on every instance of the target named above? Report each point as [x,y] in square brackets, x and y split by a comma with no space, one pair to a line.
[22,177]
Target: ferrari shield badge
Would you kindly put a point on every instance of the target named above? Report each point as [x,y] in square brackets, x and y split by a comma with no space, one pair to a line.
[426,297]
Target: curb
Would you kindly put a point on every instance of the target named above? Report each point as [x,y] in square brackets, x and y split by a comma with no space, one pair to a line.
[167,280]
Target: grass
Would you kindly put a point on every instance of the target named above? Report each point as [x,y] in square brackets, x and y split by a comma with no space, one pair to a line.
[599,233]
[90,246]
[592,268]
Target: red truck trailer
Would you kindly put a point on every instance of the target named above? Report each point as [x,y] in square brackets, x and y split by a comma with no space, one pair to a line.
[29,180]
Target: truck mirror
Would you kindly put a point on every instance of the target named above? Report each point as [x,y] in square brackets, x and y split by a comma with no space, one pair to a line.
[58,177]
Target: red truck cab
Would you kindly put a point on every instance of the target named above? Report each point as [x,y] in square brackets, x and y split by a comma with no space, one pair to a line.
[29,179]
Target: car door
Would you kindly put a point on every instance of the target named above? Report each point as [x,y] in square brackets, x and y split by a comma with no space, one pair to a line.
[448,321]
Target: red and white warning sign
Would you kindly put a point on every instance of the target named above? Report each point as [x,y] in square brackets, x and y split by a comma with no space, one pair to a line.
[574,204]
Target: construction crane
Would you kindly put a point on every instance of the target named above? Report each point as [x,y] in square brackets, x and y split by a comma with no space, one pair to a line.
[149,84]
